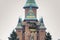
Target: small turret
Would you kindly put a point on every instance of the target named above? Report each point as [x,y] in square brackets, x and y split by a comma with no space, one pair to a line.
[19,25]
[42,26]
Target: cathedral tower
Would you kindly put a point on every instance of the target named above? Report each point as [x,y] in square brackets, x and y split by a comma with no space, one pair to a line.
[30,3]
[30,28]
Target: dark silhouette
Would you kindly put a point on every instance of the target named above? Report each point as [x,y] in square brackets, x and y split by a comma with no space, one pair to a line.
[48,36]
[13,36]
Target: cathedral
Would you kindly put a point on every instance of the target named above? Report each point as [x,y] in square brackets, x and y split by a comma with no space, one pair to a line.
[31,28]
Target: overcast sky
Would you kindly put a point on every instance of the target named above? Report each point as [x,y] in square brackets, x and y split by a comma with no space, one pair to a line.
[11,10]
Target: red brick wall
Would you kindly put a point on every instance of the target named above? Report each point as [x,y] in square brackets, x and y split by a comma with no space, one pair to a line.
[27,32]
[27,9]
[42,35]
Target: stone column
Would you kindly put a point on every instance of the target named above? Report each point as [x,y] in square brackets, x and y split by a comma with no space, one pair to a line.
[27,32]
[42,35]
[35,36]
[19,34]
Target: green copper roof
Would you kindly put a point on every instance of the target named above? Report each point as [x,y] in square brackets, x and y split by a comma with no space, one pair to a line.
[42,26]
[30,19]
[30,14]
[19,25]
[20,20]
[30,3]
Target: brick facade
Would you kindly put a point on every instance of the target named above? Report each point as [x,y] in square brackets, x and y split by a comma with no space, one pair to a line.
[31,29]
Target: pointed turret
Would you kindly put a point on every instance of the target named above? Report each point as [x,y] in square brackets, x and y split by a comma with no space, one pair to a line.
[42,30]
[19,25]
[42,26]
[30,3]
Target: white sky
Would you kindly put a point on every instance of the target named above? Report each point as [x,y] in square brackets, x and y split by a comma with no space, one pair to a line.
[11,10]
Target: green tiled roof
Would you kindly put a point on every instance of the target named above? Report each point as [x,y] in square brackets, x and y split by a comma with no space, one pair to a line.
[30,3]
[30,19]
[42,26]
[19,25]
[20,20]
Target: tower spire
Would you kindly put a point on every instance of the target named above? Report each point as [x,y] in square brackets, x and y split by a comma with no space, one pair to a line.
[42,26]
[19,25]
[30,3]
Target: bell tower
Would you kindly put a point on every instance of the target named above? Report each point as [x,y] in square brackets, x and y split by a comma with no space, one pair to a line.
[30,3]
